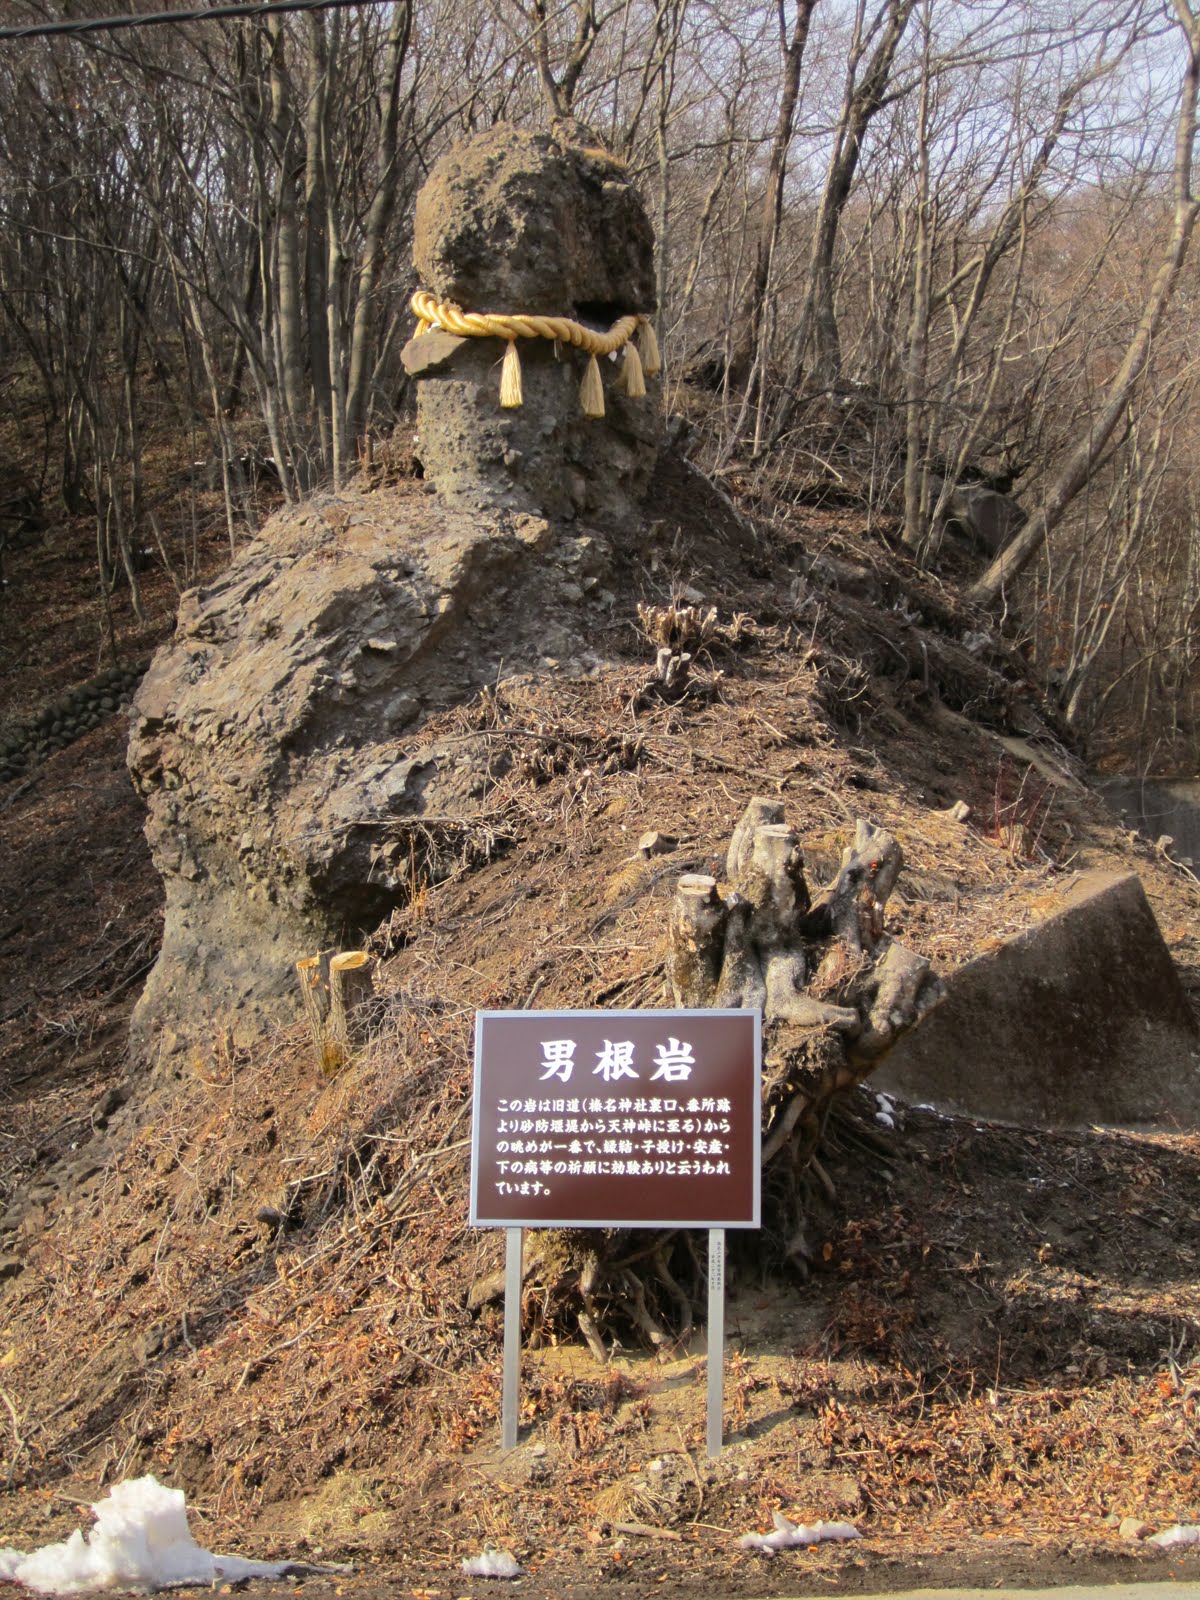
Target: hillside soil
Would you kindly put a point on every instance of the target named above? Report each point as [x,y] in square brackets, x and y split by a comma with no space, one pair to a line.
[260,1285]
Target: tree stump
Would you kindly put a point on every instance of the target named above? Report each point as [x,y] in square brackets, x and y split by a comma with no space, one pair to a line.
[836,992]
[697,923]
[335,991]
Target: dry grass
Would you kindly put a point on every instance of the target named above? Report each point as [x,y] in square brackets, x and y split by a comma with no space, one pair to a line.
[1001,1331]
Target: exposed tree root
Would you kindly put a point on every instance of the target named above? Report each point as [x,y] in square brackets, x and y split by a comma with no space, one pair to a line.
[836,994]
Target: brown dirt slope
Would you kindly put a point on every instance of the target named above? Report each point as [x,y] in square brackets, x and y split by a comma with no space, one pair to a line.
[258,1284]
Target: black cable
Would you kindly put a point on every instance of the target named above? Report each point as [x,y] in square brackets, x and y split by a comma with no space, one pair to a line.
[149,19]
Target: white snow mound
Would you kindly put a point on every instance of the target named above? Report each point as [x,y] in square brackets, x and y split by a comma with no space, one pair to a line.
[492,1564]
[141,1541]
[788,1535]
[1181,1533]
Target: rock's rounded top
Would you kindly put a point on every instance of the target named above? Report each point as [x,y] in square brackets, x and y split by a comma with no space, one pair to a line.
[514,221]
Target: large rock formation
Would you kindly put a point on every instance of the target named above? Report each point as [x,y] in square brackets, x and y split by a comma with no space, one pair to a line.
[514,223]
[277,740]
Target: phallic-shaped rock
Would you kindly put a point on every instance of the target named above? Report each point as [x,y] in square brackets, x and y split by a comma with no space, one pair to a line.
[293,797]
[522,223]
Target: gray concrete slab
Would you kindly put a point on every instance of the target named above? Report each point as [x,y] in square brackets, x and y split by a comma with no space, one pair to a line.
[1080,1019]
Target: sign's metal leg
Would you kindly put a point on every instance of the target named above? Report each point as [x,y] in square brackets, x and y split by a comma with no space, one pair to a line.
[514,1239]
[716,1339]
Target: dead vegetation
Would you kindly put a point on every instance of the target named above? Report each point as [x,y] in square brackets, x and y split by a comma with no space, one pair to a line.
[261,1284]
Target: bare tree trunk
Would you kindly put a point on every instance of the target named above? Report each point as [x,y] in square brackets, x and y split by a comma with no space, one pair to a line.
[315,243]
[662,150]
[287,233]
[817,328]
[334,283]
[918,327]
[249,301]
[558,92]
[366,311]
[771,214]
[1076,471]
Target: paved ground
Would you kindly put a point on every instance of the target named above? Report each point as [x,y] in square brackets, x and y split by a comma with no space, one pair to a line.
[1106,1591]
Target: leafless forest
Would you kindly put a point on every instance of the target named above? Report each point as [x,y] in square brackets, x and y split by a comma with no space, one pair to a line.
[905,248]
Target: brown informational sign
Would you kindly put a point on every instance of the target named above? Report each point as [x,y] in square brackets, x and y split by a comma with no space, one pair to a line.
[612,1119]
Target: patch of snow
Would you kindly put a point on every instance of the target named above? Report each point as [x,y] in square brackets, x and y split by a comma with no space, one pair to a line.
[492,1564]
[141,1540]
[788,1535]
[1181,1533]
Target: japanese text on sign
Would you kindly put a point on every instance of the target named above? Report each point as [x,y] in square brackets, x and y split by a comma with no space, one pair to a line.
[673,1061]
[569,1107]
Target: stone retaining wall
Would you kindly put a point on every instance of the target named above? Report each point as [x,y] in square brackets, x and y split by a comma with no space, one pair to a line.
[65,720]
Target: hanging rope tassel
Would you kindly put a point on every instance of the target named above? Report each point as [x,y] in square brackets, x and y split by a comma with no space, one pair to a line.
[632,380]
[450,318]
[591,390]
[510,379]
[651,359]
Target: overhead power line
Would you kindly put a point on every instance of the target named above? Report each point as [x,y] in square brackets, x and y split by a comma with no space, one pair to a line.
[150,19]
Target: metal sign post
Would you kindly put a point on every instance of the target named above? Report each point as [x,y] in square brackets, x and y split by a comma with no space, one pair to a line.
[514,1239]
[716,1340]
[616,1119]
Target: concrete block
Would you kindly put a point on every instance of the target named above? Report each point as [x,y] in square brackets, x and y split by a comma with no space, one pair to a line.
[1079,1020]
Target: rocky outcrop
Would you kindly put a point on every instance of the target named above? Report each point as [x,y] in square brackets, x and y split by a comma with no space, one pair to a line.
[520,221]
[983,517]
[517,222]
[292,795]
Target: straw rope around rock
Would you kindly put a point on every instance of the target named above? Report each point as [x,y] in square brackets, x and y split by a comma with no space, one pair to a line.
[444,314]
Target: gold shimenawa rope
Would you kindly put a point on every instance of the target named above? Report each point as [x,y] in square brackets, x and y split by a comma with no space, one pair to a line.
[444,314]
